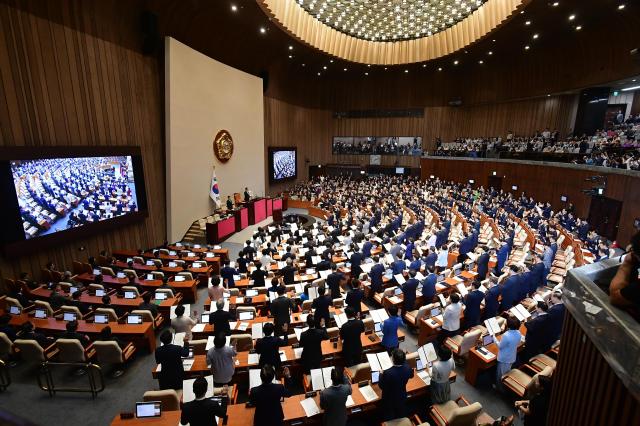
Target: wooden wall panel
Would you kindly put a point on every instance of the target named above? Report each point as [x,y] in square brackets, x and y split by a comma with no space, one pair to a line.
[545,182]
[70,76]
[586,391]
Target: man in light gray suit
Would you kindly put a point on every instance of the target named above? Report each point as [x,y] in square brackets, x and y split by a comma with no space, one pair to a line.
[333,399]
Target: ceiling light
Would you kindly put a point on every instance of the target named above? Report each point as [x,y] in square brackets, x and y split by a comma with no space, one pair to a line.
[369,65]
[555,4]
[490,53]
[406,71]
[456,62]
[535,36]
[481,62]
[633,80]
[527,47]
[579,27]
[263,30]
[627,89]
[572,17]
[318,73]
[331,60]
[424,65]
[234,8]
[304,65]
[290,56]
[439,68]
[325,67]
[366,73]
[290,47]
[620,7]
[528,23]
[345,69]
[548,95]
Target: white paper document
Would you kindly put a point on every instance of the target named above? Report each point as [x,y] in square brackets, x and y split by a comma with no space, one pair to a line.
[310,407]
[253,359]
[368,393]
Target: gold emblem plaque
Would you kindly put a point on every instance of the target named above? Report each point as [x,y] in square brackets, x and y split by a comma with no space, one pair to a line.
[223,146]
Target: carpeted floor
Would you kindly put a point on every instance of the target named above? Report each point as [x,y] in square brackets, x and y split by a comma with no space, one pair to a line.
[25,399]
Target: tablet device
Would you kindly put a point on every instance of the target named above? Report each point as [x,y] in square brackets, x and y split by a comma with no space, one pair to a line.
[40,313]
[69,316]
[129,294]
[160,295]
[375,377]
[134,319]
[148,409]
[14,310]
[101,318]
[487,340]
[99,292]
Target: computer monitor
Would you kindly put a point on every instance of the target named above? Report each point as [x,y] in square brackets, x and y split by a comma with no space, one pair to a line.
[487,340]
[179,278]
[69,316]
[129,294]
[129,259]
[148,409]
[99,292]
[204,318]
[14,310]
[375,377]
[245,316]
[101,318]
[134,319]
[73,290]
[40,313]
[120,275]
[160,295]
[172,264]
[377,327]
[150,263]
[440,277]
[172,253]
[435,312]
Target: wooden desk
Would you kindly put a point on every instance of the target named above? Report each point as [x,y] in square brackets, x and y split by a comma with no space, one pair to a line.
[141,334]
[188,289]
[167,418]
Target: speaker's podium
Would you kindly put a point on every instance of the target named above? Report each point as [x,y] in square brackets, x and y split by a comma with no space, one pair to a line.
[277,215]
[257,210]
[220,230]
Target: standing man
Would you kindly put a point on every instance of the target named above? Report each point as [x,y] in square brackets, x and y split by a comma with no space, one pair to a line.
[169,356]
[247,196]
[311,344]
[350,334]
[281,308]
[334,398]
[507,349]
[472,306]
[393,383]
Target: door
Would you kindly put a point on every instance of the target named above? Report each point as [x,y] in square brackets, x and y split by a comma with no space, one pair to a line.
[315,171]
[604,215]
[495,182]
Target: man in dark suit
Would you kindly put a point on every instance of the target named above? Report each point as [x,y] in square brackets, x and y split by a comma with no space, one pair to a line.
[350,334]
[429,285]
[430,259]
[229,203]
[268,346]
[147,305]
[556,318]
[356,261]
[247,196]
[288,272]
[335,280]
[483,263]
[409,292]
[72,333]
[267,399]
[220,319]
[75,301]
[376,274]
[472,305]
[510,289]
[536,330]
[501,257]
[491,303]
[393,383]
[201,411]
[355,296]
[321,306]
[169,356]
[311,342]
[281,308]
[227,273]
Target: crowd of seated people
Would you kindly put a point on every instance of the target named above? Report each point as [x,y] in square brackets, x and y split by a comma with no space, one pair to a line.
[85,189]
[378,146]
[382,232]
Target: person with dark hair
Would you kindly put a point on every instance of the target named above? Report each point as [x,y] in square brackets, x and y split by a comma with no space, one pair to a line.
[335,281]
[409,289]
[393,383]
[220,319]
[75,301]
[169,356]
[321,306]
[472,302]
[147,305]
[258,275]
[6,328]
[355,296]
[507,348]
[28,280]
[451,318]
[267,398]
[535,410]
[483,263]
[56,300]
[440,372]
[183,323]
[221,360]
[333,399]
[536,331]
[288,272]
[429,285]
[311,344]
[28,333]
[376,274]
[227,273]
[268,346]
[624,290]
[106,335]
[350,333]
[281,309]
[72,333]
[202,411]
[390,329]
[106,303]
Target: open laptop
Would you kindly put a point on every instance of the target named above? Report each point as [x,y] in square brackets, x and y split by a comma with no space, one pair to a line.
[243,316]
[134,319]
[40,313]
[487,340]
[101,318]
[377,327]
[397,291]
[148,409]
[69,316]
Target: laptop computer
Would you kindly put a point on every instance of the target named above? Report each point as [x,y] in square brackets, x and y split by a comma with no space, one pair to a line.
[134,319]
[243,316]
[377,327]
[148,409]
[435,312]
[99,292]
[487,340]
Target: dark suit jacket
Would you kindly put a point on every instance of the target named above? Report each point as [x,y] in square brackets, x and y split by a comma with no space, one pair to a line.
[333,282]
[220,320]
[83,338]
[409,291]
[483,265]
[267,347]
[201,412]
[172,372]
[321,305]
[429,288]
[149,307]
[376,277]
[310,341]
[266,398]
[350,335]
[281,308]
[354,298]
[536,337]
[289,274]
[472,308]
[393,383]
[491,302]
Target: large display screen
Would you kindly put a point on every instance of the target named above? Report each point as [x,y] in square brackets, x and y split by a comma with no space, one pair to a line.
[283,164]
[56,194]
[377,145]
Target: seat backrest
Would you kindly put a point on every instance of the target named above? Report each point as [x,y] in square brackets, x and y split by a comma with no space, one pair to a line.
[360,372]
[333,332]
[146,315]
[465,416]
[243,342]
[112,314]
[130,272]
[44,305]
[164,251]
[30,350]
[168,291]
[138,259]
[74,309]
[412,359]
[534,385]
[10,301]
[70,350]
[95,287]
[168,398]
[64,286]
[388,292]
[422,311]
[158,275]
[246,309]
[307,305]
[469,340]
[199,346]
[338,303]
[157,262]
[107,271]
[234,292]
[5,345]
[108,352]
[318,282]
[187,275]
[77,267]
[369,325]
[130,288]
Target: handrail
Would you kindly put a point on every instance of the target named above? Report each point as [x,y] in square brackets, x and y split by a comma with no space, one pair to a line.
[93,371]
[5,378]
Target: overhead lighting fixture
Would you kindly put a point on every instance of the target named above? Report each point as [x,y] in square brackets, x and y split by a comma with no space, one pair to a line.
[490,53]
[439,68]
[263,30]
[527,47]
[572,17]
[555,4]
[424,65]
[456,62]
[481,62]
[579,27]
[366,73]
[234,8]
[535,36]
[548,95]
[318,73]
[331,61]
[304,65]
[324,68]
[527,23]
[621,6]
[290,47]
[290,56]
[628,89]
[344,69]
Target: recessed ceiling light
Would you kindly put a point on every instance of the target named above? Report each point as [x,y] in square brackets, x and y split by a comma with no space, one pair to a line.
[406,71]
[234,8]
[304,65]
[290,56]
[535,36]
[455,62]
[494,40]
[368,65]
[620,7]
[633,80]
[481,61]
[439,68]
[522,12]
[555,4]
[345,69]
[579,27]
[490,53]
[527,47]
[290,47]
[263,30]
[331,60]
[572,17]
[318,73]
[528,23]
[325,67]
[424,65]
[385,68]
[366,73]
[548,95]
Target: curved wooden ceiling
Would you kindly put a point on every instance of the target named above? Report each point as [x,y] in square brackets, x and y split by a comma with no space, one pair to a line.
[304,27]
